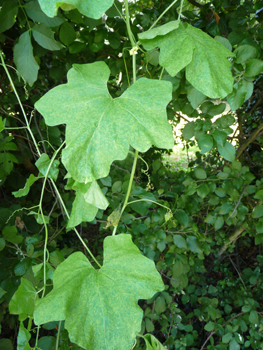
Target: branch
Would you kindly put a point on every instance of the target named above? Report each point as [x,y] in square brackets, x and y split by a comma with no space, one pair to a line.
[249,140]
[195,3]
[232,239]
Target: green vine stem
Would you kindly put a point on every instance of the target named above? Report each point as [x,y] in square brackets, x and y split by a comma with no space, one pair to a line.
[20,103]
[57,340]
[136,153]
[164,12]
[43,217]
[149,200]
[39,153]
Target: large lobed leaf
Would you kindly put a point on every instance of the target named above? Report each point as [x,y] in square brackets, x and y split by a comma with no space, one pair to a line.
[100,128]
[204,58]
[100,307]
[90,8]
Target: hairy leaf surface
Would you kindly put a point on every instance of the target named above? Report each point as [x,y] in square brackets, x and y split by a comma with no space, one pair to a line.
[205,59]
[90,8]
[100,128]
[97,305]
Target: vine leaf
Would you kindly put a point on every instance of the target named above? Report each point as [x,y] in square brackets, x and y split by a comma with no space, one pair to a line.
[43,163]
[24,59]
[89,197]
[204,58]
[90,8]
[25,190]
[23,301]
[100,128]
[97,305]
[23,338]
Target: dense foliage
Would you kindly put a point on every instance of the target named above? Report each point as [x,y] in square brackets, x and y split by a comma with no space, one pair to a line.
[96,252]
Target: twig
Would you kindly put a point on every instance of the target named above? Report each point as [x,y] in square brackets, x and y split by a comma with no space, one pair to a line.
[238,202]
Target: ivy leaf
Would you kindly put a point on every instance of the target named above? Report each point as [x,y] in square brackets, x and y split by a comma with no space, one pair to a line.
[24,191]
[23,338]
[43,164]
[162,30]
[152,343]
[89,8]
[24,59]
[89,198]
[34,11]
[45,37]
[204,58]
[85,298]
[23,301]
[99,128]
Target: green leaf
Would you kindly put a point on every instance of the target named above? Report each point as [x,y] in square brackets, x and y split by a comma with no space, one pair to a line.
[220,137]
[205,59]
[225,209]
[2,244]
[227,152]
[259,195]
[205,143]
[45,37]
[8,15]
[193,244]
[257,211]
[227,337]
[162,30]
[24,59]
[67,33]
[244,53]
[233,345]
[23,338]
[180,241]
[209,326]
[34,11]
[253,317]
[200,173]
[149,325]
[189,131]
[24,191]
[89,8]
[253,67]
[203,190]
[2,124]
[99,128]
[224,42]
[259,237]
[43,164]
[242,91]
[10,235]
[22,267]
[195,97]
[219,223]
[82,210]
[152,343]
[181,217]
[216,109]
[56,258]
[23,301]
[85,297]
[6,344]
